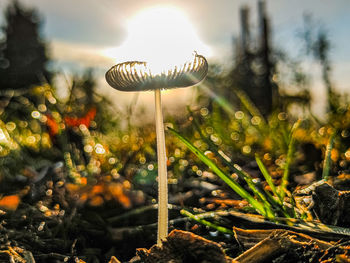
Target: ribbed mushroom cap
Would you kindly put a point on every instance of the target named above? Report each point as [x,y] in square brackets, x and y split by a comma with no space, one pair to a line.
[137,76]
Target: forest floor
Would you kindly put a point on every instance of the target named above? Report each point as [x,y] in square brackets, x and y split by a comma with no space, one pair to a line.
[48,220]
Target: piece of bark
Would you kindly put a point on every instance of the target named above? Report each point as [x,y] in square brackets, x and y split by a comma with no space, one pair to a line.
[182,246]
[249,238]
[314,229]
[331,206]
[277,243]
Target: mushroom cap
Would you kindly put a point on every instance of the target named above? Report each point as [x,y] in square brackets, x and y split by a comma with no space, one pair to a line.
[137,76]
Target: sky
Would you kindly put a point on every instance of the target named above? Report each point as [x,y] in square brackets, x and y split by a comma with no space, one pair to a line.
[79,32]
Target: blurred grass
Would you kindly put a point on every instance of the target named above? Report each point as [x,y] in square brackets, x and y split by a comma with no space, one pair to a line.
[257,157]
[289,159]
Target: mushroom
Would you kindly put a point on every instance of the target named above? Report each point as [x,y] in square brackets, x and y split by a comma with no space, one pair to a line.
[141,76]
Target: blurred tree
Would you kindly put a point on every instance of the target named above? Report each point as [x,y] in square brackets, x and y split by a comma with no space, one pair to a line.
[318,45]
[82,93]
[255,71]
[254,68]
[23,60]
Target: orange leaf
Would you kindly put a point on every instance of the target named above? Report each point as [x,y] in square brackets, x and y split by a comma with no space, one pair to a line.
[10,202]
[52,124]
[96,201]
[118,193]
[97,189]
[72,188]
[83,180]
[85,120]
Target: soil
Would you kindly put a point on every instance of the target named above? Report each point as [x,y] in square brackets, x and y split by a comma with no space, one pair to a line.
[48,220]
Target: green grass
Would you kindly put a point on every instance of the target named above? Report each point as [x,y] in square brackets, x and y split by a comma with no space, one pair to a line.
[260,207]
[269,204]
[262,201]
[290,153]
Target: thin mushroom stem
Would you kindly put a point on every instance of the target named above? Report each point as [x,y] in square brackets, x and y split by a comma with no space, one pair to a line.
[162,172]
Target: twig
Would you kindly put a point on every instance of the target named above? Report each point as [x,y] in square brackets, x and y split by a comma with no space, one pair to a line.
[138,211]
[118,234]
[328,160]
[52,256]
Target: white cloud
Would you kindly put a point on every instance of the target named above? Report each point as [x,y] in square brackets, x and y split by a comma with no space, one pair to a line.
[82,55]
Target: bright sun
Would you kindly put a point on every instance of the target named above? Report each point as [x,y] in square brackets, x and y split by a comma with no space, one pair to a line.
[161,36]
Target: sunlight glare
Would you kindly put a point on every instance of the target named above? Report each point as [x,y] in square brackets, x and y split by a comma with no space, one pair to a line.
[161,36]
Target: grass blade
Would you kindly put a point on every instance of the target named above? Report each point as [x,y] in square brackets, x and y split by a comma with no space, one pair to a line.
[258,191]
[249,105]
[267,177]
[206,223]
